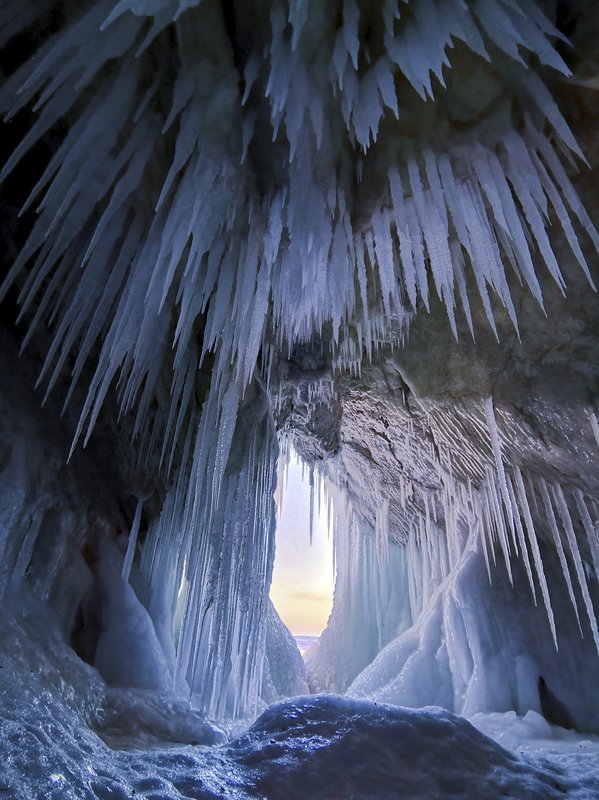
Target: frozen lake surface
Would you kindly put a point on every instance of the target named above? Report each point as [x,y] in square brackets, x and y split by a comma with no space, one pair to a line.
[304,643]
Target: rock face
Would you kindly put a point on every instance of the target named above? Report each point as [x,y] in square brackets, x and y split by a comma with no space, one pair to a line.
[346,226]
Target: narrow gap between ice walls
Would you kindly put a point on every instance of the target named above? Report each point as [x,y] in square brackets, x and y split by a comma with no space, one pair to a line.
[304,569]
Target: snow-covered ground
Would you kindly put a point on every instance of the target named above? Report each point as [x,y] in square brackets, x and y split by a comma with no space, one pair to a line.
[65,735]
[572,755]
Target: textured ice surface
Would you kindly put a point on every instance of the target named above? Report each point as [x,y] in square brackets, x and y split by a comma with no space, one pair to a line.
[284,672]
[480,647]
[573,755]
[306,748]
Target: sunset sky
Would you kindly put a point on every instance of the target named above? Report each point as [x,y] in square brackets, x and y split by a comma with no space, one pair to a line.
[303,578]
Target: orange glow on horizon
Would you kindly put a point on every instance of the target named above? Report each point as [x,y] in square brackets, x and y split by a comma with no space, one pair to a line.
[303,575]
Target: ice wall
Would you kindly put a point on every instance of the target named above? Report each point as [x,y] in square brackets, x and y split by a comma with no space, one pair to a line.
[481,646]
[284,669]
[371,606]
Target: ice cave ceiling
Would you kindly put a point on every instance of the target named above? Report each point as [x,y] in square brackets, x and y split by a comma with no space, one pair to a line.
[366,229]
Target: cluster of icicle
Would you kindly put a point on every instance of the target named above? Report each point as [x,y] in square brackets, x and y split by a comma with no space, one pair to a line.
[209,560]
[151,201]
[502,511]
[156,243]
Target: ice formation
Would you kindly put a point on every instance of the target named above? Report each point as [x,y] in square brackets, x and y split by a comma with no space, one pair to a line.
[57,752]
[244,216]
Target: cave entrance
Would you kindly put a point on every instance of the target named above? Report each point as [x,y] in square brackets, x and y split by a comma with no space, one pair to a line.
[304,568]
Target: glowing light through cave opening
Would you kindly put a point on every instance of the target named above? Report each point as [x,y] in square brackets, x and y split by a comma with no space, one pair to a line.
[304,571]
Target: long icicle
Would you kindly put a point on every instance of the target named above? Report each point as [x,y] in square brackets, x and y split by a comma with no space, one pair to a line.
[575,553]
[536,553]
[560,548]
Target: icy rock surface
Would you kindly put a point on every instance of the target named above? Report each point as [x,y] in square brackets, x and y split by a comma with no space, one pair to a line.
[139,720]
[305,748]
[53,703]
[315,746]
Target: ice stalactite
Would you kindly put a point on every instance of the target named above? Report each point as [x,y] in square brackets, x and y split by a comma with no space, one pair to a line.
[208,560]
[132,542]
[175,231]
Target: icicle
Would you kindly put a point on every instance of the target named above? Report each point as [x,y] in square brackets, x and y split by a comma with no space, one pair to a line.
[132,542]
[575,553]
[522,542]
[594,424]
[536,553]
[382,530]
[509,511]
[589,528]
[560,549]
[483,531]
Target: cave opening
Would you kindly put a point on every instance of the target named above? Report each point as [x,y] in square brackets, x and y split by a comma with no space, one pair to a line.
[303,579]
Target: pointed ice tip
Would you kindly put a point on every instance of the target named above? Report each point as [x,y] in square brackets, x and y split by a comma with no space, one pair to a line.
[19,320]
[114,14]
[514,321]
[36,386]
